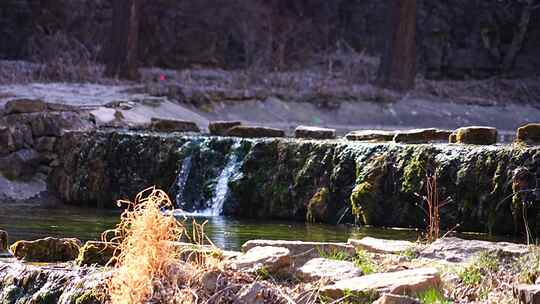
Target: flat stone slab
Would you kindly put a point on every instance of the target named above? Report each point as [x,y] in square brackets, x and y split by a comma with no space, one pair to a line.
[170,125]
[333,270]
[25,106]
[529,133]
[382,246]
[457,250]
[420,136]
[371,135]
[314,132]
[272,259]
[303,251]
[476,135]
[527,294]
[220,128]
[255,132]
[405,282]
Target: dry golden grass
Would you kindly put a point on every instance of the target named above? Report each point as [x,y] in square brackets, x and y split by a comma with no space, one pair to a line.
[146,268]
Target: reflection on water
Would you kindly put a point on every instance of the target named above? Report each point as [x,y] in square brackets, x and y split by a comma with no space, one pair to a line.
[87,224]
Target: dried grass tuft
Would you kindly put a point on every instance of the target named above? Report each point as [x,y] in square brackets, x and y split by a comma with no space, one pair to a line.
[146,261]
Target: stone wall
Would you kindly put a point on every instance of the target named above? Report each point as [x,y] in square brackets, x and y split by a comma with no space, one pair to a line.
[367,183]
[456,38]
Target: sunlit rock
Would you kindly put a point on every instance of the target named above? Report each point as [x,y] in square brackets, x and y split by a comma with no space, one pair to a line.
[46,250]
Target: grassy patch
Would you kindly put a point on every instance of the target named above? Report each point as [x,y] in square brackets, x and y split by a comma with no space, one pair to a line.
[432,296]
[364,261]
[485,264]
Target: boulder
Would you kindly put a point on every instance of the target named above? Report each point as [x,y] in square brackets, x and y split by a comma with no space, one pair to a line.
[255,132]
[371,135]
[332,270]
[303,251]
[382,246]
[527,294]
[419,136]
[95,253]
[45,144]
[47,250]
[314,133]
[476,135]
[25,106]
[170,125]
[275,260]
[405,282]
[529,133]
[220,128]
[389,298]
[457,250]
[20,165]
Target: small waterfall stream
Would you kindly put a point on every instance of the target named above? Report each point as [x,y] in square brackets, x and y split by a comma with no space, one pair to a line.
[181,181]
[221,190]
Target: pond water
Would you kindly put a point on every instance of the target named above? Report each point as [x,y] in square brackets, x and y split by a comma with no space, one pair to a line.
[28,223]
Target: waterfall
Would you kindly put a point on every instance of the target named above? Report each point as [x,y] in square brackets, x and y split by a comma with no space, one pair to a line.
[221,190]
[181,181]
[222,186]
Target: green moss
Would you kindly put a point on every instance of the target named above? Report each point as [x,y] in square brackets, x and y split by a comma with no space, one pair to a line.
[363,201]
[317,208]
[415,171]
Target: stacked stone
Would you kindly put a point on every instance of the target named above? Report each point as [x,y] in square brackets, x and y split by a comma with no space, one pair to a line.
[28,133]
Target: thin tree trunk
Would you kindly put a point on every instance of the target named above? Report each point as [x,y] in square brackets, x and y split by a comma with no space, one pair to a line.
[519,36]
[398,63]
[122,52]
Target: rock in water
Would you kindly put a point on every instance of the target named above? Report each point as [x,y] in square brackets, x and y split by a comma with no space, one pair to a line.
[476,135]
[314,133]
[333,270]
[95,253]
[169,125]
[275,260]
[406,282]
[47,250]
[220,128]
[529,133]
[255,132]
[382,246]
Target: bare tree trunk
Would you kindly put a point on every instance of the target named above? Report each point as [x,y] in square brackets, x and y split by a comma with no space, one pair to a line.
[122,52]
[519,36]
[398,63]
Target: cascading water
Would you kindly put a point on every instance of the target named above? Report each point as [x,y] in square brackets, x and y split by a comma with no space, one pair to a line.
[181,181]
[222,186]
[221,190]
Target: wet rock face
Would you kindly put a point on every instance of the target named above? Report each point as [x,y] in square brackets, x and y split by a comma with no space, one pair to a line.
[21,283]
[325,181]
[46,250]
[420,136]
